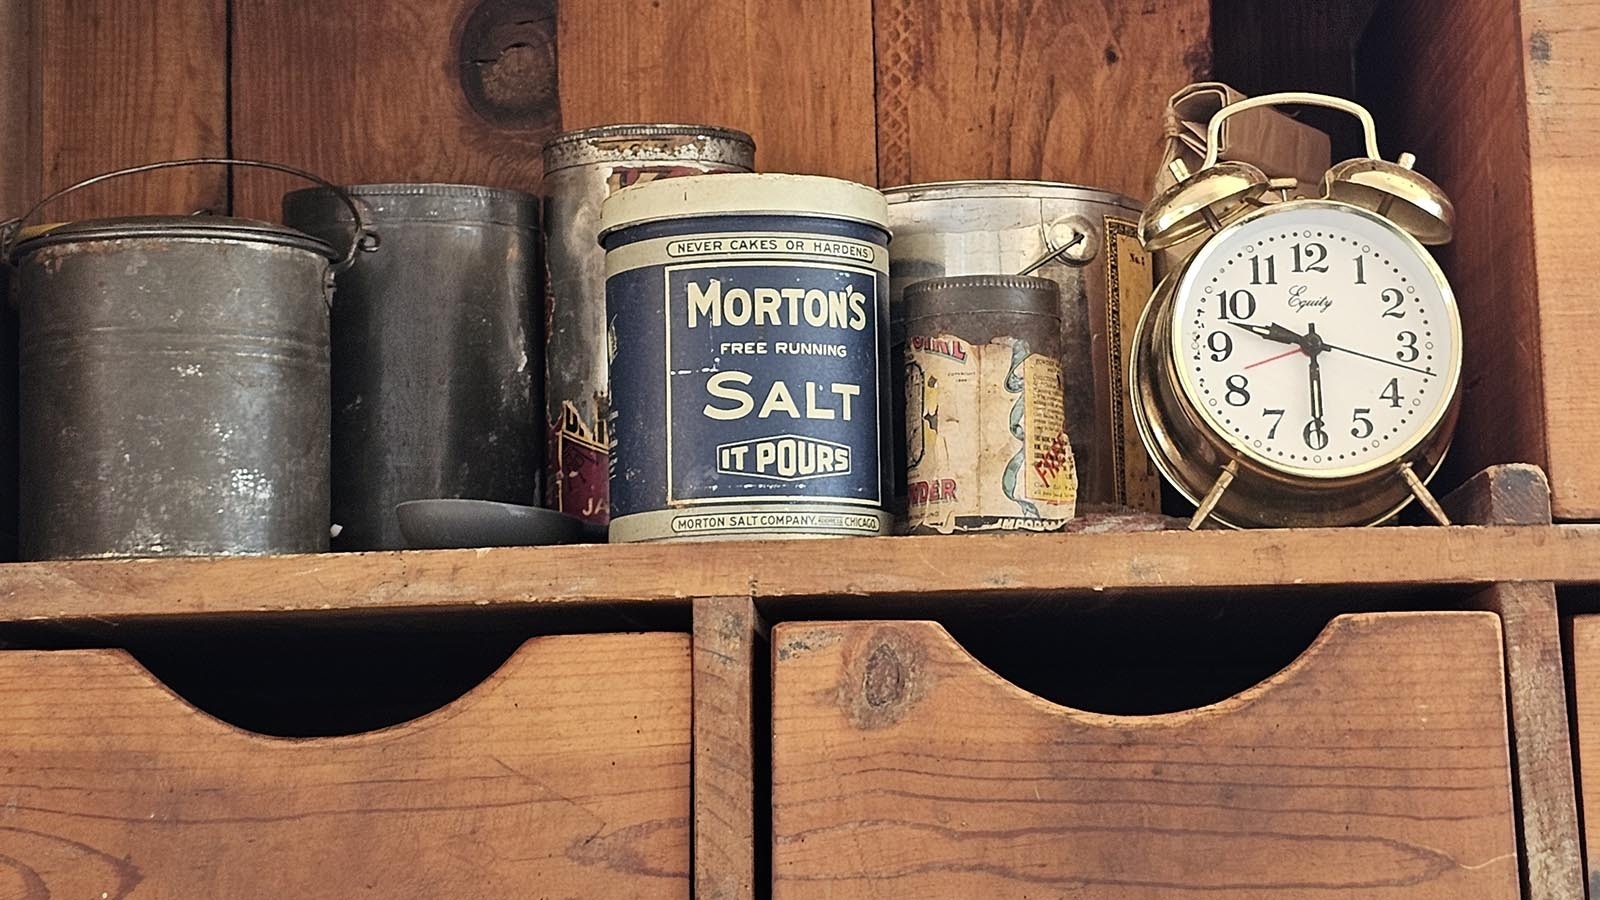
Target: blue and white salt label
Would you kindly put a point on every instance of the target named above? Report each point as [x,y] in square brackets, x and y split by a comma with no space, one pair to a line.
[746,374]
[772,382]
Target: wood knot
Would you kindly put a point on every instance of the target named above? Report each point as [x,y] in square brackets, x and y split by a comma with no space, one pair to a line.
[507,57]
[883,679]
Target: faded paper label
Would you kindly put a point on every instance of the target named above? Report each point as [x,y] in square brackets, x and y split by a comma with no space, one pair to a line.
[986,445]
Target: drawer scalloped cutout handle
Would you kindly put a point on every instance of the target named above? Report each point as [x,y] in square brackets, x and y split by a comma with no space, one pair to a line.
[1376,765]
[568,768]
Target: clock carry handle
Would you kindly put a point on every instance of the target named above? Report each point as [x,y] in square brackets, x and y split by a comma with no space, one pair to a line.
[1288,98]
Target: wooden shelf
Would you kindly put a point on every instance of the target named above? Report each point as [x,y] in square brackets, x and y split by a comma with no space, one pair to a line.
[931,571]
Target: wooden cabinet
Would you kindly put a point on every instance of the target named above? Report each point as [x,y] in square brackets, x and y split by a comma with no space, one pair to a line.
[1493,96]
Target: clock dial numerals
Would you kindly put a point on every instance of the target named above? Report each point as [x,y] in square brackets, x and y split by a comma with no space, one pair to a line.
[1237,306]
[1310,258]
[1394,304]
[1271,268]
[1221,344]
[1362,429]
[1318,340]
[1391,393]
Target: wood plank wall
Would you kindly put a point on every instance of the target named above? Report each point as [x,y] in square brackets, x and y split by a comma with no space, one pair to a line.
[467,90]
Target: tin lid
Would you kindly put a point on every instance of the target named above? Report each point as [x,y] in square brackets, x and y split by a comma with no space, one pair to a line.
[986,188]
[1018,294]
[204,227]
[650,142]
[415,203]
[743,194]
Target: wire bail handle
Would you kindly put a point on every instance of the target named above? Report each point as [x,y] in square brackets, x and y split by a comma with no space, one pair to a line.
[1288,98]
[364,239]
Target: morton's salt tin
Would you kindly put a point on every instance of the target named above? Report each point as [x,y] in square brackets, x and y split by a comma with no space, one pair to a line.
[986,441]
[746,320]
[581,169]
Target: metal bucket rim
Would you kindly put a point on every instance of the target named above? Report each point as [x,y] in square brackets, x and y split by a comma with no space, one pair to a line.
[523,207]
[217,228]
[976,188]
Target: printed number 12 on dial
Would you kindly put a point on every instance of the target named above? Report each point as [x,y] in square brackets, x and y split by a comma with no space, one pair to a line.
[1317,341]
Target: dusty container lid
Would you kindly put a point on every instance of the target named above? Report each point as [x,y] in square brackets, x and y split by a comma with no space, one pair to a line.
[646,142]
[213,228]
[1013,294]
[1005,188]
[416,203]
[743,194]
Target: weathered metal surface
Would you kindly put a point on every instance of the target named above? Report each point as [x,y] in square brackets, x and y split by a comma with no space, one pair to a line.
[174,389]
[749,358]
[986,448]
[1005,227]
[435,352]
[582,168]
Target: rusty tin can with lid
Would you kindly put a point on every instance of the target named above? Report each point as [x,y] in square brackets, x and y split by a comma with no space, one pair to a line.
[986,441]
[436,356]
[581,169]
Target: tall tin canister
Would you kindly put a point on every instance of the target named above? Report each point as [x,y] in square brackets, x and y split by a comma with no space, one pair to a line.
[436,365]
[986,441]
[1089,240]
[748,358]
[174,386]
[582,168]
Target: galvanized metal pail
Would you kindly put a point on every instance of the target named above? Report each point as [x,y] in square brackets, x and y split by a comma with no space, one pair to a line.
[581,169]
[437,369]
[174,383]
[1085,240]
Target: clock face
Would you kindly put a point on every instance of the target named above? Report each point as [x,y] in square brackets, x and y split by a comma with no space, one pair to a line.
[1317,338]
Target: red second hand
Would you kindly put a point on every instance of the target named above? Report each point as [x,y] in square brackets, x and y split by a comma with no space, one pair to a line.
[1274,358]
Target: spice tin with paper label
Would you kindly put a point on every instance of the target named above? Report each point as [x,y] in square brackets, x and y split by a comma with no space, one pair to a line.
[986,441]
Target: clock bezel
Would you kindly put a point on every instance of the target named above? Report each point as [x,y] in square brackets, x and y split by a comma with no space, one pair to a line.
[1189,392]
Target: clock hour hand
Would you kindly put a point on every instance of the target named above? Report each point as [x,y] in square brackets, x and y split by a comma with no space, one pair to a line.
[1273,332]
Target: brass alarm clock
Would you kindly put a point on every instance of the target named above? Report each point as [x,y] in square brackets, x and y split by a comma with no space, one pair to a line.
[1299,368]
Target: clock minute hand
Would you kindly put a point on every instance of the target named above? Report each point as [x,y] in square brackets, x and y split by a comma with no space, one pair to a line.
[1390,362]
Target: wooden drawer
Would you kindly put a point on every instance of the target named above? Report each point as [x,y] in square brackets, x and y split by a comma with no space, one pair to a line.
[565,774]
[1375,766]
[1583,633]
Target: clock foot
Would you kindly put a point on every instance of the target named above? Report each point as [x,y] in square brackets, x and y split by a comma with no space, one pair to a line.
[1423,495]
[1209,503]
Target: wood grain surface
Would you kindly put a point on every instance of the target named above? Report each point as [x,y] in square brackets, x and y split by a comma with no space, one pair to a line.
[730,654]
[130,83]
[1584,642]
[920,573]
[374,92]
[1064,91]
[796,74]
[1450,89]
[1552,862]
[20,110]
[1560,59]
[566,774]
[1373,767]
